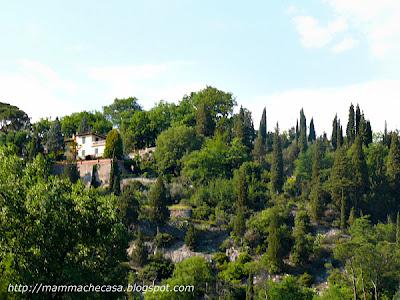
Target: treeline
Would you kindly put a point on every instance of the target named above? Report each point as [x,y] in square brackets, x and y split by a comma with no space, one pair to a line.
[275,193]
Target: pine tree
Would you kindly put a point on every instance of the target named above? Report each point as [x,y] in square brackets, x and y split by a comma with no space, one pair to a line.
[303,132]
[243,127]
[350,130]
[277,163]
[312,136]
[274,250]
[139,252]
[159,212]
[191,237]
[334,136]
[55,140]
[238,126]
[204,121]
[358,120]
[250,287]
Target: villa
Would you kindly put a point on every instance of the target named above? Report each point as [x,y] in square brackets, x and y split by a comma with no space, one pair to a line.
[90,144]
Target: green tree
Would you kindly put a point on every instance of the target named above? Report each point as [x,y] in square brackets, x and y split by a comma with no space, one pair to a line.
[334,136]
[191,237]
[277,163]
[204,122]
[358,121]
[114,147]
[121,109]
[159,212]
[312,135]
[71,171]
[350,129]
[274,253]
[136,131]
[128,204]
[263,127]
[83,126]
[239,224]
[172,145]
[250,287]
[359,170]
[139,253]
[243,127]
[302,238]
[393,162]
[12,118]
[55,140]
[303,132]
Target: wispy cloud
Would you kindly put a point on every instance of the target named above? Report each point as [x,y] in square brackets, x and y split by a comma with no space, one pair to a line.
[344,45]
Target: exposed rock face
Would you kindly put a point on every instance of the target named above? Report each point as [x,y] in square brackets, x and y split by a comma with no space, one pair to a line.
[180,252]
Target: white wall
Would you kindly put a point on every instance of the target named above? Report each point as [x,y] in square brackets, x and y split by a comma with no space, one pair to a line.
[87,145]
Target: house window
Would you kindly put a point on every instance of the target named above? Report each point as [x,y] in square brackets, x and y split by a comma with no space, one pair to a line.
[83,140]
[96,151]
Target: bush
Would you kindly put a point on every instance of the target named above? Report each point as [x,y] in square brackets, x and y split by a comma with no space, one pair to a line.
[163,240]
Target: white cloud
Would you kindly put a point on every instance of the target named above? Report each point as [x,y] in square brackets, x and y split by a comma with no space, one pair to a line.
[375,21]
[344,45]
[313,34]
[36,89]
[378,99]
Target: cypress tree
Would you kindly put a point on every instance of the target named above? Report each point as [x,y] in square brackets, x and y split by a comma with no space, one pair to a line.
[398,228]
[316,189]
[352,216]
[242,189]
[340,135]
[55,140]
[274,250]
[159,212]
[301,247]
[368,134]
[191,237]
[358,120]
[297,131]
[71,171]
[340,178]
[312,136]
[393,163]
[204,121]
[238,128]
[360,171]
[116,187]
[277,163]
[239,224]
[386,137]
[350,130]
[263,127]
[343,211]
[259,148]
[93,181]
[303,132]
[334,136]
[139,253]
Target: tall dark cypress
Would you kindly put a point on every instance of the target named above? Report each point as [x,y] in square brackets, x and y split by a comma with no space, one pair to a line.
[334,135]
[297,131]
[340,135]
[386,137]
[359,171]
[358,119]
[317,204]
[204,121]
[393,163]
[303,132]
[263,126]
[277,163]
[312,135]
[368,135]
[350,129]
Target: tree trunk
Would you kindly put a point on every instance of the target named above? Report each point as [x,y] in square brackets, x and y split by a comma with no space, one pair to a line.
[362,284]
[375,290]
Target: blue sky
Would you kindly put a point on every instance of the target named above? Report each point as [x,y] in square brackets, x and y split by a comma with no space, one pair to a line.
[321,54]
